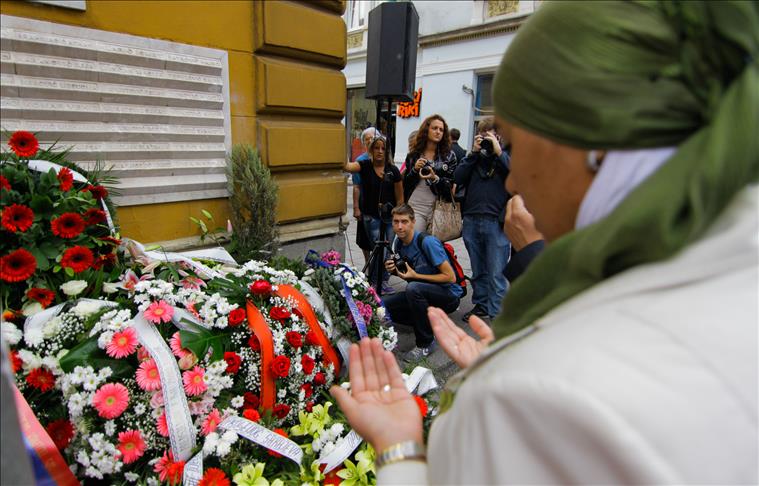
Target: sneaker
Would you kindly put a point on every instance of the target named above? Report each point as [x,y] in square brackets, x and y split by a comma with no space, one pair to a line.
[417,354]
[477,311]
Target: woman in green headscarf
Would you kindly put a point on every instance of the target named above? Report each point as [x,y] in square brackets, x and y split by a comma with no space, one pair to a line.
[627,353]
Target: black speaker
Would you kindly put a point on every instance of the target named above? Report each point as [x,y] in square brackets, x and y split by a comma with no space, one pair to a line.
[391,51]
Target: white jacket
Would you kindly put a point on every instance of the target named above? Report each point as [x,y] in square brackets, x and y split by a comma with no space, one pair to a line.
[649,377]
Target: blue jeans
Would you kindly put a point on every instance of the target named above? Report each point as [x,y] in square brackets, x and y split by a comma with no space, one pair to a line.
[410,307]
[488,250]
[372,227]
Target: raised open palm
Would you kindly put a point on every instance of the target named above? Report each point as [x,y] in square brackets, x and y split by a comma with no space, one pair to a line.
[378,407]
[462,348]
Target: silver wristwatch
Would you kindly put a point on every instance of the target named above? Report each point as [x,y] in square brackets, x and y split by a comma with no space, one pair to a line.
[409,450]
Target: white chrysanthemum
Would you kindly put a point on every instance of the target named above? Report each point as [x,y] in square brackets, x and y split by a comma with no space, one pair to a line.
[209,446]
[29,359]
[223,448]
[139,409]
[131,477]
[93,473]
[33,336]
[11,333]
[237,401]
[328,447]
[104,373]
[336,430]
[105,339]
[82,458]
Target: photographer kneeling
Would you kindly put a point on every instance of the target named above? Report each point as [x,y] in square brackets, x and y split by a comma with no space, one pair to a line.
[422,261]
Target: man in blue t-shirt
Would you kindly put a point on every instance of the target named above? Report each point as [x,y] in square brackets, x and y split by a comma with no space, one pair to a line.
[431,281]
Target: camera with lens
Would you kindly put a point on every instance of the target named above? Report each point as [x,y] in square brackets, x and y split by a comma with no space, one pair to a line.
[426,169]
[486,147]
[400,263]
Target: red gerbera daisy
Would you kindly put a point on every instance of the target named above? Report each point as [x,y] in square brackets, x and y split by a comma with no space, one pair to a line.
[65,179]
[98,192]
[43,296]
[17,217]
[67,225]
[4,184]
[17,266]
[94,216]
[24,144]
[111,240]
[61,431]
[214,477]
[103,260]
[78,258]
[41,378]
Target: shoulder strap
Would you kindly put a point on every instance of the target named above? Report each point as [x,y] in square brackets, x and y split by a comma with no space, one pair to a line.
[419,241]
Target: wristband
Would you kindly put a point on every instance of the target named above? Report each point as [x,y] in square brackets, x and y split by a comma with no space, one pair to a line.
[409,450]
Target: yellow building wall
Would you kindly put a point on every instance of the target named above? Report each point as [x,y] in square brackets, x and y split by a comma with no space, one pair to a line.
[287,93]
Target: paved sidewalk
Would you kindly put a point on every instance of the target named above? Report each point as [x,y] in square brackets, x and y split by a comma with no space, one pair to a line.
[438,361]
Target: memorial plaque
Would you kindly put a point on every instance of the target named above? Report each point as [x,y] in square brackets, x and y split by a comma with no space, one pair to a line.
[157,111]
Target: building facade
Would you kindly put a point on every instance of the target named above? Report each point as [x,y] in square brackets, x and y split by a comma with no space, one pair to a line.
[160,90]
[460,47]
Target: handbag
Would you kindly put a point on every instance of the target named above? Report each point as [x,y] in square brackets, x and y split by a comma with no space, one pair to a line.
[446,222]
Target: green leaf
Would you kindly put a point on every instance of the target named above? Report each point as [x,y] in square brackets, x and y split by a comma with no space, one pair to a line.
[69,271]
[207,214]
[195,220]
[88,353]
[42,261]
[56,269]
[199,342]
[41,204]
[49,249]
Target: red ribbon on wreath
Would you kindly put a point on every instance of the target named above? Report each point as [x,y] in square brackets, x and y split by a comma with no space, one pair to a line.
[285,291]
[261,330]
[42,445]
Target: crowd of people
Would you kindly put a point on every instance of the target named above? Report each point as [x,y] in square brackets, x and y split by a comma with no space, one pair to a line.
[437,168]
[626,353]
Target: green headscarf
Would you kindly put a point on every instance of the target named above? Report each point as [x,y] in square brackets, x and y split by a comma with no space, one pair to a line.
[631,75]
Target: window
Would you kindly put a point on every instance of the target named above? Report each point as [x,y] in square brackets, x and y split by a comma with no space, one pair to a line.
[483,102]
[357,13]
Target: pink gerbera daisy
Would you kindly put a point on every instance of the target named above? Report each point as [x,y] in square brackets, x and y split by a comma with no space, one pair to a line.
[194,382]
[162,425]
[131,445]
[147,375]
[211,422]
[111,400]
[122,344]
[158,312]
[176,346]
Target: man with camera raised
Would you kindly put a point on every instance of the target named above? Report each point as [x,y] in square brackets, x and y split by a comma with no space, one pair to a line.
[483,173]
[422,261]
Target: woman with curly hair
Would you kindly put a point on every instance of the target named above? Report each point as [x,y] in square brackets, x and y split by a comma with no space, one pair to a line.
[429,169]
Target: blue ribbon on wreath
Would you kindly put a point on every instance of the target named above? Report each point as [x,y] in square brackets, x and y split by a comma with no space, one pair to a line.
[314,259]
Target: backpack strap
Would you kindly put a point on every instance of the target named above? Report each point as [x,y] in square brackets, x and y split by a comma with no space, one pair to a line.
[420,246]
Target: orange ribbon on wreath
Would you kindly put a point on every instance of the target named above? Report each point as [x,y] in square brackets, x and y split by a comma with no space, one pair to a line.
[261,330]
[285,291]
